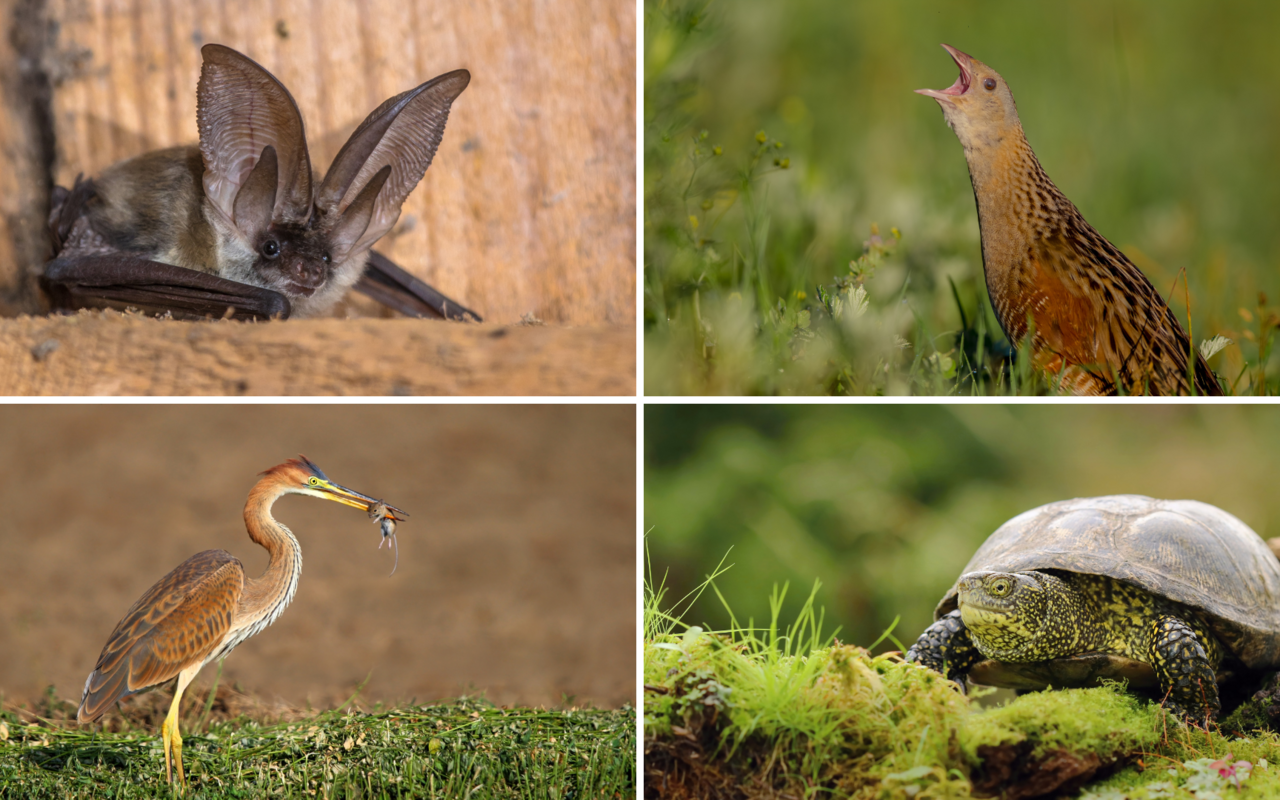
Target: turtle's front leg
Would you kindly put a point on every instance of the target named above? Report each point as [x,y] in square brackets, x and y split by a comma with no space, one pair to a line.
[945,647]
[1185,670]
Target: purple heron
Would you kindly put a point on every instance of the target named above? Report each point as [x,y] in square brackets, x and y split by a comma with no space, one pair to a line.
[201,610]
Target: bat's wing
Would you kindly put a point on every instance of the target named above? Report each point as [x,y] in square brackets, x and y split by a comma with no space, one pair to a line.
[122,280]
[393,287]
[87,272]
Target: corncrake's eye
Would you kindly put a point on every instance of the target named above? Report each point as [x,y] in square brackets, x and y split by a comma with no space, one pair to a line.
[989,83]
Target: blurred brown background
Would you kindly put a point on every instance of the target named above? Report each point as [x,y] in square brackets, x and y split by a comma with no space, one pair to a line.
[529,205]
[517,563]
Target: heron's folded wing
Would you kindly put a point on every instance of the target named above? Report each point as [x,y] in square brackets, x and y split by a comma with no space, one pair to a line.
[178,622]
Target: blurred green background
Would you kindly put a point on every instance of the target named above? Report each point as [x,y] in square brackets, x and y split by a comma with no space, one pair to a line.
[886,503]
[1158,119]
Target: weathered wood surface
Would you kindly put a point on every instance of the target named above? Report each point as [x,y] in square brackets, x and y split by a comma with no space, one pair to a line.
[530,203]
[26,152]
[107,353]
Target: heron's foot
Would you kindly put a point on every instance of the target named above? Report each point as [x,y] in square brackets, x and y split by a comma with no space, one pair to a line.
[172,749]
[177,756]
[168,746]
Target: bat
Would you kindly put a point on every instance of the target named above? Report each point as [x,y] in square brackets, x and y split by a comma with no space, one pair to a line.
[238,225]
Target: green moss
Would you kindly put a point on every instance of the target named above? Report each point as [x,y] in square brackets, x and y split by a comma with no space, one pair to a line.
[1102,721]
[1190,763]
[837,717]
[873,726]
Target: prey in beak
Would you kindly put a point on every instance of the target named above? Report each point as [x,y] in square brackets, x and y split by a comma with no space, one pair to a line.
[384,516]
[350,497]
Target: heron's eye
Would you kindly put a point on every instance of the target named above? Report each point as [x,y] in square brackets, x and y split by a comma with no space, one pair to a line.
[271,248]
[314,481]
[989,83]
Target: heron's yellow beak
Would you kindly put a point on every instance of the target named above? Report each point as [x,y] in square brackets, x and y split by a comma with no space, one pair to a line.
[350,497]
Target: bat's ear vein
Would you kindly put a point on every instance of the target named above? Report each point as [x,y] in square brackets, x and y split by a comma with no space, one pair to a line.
[240,109]
[403,133]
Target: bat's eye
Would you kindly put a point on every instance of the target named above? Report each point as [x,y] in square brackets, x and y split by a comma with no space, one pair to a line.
[271,248]
[325,258]
[990,83]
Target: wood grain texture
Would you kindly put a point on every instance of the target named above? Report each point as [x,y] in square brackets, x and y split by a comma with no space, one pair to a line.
[529,205]
[107,353]
[24,152]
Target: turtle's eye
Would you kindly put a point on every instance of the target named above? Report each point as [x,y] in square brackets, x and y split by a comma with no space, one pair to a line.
[270,248]
[999,587]
[989,84]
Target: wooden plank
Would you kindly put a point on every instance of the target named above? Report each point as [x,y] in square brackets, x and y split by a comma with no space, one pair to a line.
[107,353]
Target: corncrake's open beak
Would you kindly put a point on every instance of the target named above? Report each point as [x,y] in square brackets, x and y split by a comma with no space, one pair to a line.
[965,63]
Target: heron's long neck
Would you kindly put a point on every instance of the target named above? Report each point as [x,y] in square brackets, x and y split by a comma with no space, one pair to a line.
[265,597]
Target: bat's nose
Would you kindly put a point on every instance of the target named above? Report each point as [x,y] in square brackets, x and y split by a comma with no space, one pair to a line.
[306,273]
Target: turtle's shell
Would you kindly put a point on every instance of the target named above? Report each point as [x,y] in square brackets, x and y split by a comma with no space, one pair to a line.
[1183,550]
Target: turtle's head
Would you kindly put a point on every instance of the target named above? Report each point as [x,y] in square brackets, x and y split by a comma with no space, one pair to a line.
[1021,617]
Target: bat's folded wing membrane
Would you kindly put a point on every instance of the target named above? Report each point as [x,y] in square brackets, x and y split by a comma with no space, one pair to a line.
[122,280]
[393,287]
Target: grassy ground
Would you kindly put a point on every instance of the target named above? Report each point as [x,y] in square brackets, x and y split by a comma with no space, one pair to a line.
[810,228]
[468,748]
[789,711]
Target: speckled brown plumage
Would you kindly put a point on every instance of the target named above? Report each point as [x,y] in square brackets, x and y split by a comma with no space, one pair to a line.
[1099,323]
[180,620]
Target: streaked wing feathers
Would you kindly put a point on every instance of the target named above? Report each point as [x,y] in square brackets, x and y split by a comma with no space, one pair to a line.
[1139,335]
[178,622]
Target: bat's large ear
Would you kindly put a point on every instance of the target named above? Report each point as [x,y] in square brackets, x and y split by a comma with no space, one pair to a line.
[402,134]
[246,117]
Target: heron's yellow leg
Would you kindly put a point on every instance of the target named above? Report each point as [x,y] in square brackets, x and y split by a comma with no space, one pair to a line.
[172,740]
[169,730]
